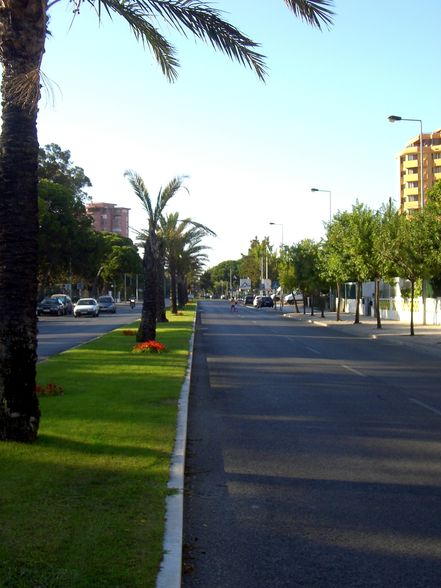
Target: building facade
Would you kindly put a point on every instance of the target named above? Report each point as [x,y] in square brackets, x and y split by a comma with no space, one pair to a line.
[109,217]
[410,171]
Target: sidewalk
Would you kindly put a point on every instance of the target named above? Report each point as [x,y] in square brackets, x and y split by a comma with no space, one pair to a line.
[427,338]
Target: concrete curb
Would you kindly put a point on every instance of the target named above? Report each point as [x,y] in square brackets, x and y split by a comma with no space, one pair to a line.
[170,572]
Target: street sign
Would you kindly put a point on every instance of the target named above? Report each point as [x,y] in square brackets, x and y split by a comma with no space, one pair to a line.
[245,283]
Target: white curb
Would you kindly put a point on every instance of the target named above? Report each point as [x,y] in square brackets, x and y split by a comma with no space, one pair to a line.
[169,575]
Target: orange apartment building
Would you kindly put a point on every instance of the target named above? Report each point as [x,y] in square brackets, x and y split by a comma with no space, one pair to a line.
[109,217]
[410,193]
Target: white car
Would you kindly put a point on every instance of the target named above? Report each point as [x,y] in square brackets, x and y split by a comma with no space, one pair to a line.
[289,298]
[86,307]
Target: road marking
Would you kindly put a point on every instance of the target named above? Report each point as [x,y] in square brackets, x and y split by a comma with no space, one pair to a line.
[353,370]
[313,350]
[431,408]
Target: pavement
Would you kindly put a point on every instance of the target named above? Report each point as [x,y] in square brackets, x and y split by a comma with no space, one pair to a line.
[427,339]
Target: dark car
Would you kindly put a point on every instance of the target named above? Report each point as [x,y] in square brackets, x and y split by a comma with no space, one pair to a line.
[50,306]
[67,302]
[107,304]
[265,301]
[249,299]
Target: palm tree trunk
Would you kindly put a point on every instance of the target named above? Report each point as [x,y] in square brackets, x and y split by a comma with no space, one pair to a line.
[22,36]
[173,290]
[147,328]
[160,291]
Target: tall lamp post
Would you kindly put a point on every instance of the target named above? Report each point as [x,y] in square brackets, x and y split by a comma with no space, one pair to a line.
[330,200]
[393,118]
[281,289]
[330,221]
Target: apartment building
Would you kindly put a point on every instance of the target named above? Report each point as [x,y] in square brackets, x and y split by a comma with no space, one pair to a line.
[410,182]
[109,217]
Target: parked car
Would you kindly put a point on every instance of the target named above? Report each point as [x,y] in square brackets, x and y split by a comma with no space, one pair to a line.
[265,301]
[67,302]
[50,306]
[106,304]
[289,298]
[249,298]
[87,307]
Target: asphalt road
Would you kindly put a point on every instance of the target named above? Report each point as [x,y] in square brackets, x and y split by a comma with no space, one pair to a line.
[57,334]
[314,457]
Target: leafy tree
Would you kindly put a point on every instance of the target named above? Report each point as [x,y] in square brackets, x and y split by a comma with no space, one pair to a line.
[55,165]
[334,262]
[23,31]
[257,261]
[307,269]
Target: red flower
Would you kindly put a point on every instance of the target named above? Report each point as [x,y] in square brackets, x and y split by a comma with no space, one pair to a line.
[49,390]
[149,347]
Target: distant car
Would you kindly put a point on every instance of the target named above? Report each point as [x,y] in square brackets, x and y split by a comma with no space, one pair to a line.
[289,298]
[67,302]
[249,298]
[106,304]
[265,301]
[86,307]
[50,306]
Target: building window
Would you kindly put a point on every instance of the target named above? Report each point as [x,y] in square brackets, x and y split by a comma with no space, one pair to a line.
[437,169]
[411,184]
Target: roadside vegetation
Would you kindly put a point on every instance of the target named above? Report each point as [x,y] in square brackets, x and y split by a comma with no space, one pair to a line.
[84,505]
[360,245]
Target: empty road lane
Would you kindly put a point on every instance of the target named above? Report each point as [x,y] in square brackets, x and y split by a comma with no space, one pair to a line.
[314,457]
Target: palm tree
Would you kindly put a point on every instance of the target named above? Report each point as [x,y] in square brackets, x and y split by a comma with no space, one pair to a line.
[23,31]
[182,239]
[152,254]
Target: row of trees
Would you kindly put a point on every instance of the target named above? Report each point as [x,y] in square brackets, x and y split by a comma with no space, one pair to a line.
[23,32]
[360,245]
[69,249]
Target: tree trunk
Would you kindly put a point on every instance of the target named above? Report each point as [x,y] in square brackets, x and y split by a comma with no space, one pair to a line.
[339,301]
[377,302]
[412,298]
[311,297]
[173,290]
[357,304]
[22,36]
[160,293]
[147,328]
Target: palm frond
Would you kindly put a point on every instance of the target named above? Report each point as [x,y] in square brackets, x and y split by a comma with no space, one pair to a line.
[136,16]
[314,12]
[141,191]
[186,16]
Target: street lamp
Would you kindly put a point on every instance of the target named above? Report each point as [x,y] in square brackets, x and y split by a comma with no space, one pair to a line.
[281,248]
[330,200]
[392,118]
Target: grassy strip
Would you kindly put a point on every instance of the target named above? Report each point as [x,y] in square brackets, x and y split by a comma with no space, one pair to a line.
[84,506]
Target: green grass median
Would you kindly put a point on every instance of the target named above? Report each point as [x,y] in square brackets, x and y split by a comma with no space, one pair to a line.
[84,506]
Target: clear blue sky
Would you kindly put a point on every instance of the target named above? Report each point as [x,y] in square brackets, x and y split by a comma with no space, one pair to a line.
[252,151]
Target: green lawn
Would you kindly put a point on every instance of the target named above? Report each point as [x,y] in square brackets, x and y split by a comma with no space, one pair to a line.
[84,505]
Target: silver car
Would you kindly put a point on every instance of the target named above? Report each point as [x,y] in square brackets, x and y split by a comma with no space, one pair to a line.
[107,304]
[86,307]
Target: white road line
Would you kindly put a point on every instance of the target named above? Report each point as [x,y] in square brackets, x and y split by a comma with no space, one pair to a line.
[431,408]
[313,350]
[352,370]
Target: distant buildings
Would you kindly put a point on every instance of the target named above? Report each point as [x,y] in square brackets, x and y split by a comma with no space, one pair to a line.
[410,182]
[109,217]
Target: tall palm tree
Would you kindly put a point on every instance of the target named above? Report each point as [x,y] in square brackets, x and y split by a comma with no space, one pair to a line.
[152,253]
[23,31]
[180,236]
